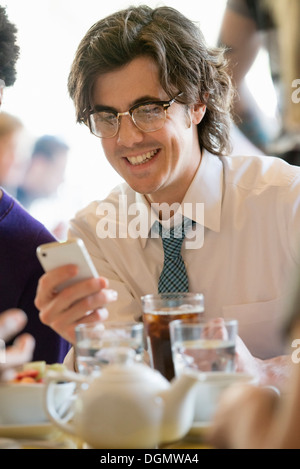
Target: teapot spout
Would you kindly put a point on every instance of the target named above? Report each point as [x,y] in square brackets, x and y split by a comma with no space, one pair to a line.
[179,407]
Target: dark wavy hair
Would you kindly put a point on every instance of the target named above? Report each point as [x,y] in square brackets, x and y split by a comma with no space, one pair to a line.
[186,64]
[9,50]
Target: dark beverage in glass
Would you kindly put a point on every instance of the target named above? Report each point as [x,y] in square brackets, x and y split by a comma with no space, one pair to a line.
[158,311]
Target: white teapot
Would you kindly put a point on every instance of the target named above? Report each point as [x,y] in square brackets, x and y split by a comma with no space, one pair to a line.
[128,406]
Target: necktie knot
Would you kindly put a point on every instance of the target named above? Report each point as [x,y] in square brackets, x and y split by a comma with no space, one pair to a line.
[172,240]
[173,277]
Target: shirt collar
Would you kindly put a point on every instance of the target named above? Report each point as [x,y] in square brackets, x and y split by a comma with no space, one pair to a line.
[206,188]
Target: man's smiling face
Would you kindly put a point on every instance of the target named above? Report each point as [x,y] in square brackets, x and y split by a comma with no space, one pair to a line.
[159,164]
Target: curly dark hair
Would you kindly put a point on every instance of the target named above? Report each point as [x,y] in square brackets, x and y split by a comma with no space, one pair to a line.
[9,50]
[185,62]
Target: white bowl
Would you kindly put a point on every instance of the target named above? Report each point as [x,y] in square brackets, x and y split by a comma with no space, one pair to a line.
[24,404]
[209,389]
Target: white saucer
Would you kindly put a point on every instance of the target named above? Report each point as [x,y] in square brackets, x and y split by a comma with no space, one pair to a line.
[39,430]
[198,430]
[7,443]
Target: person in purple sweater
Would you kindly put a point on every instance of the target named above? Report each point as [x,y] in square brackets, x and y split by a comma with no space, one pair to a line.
[20,270]
[20,235]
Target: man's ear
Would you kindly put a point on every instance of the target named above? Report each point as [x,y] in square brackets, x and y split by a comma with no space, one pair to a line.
[197,113]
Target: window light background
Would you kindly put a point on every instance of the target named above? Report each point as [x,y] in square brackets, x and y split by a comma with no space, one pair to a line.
[49,32]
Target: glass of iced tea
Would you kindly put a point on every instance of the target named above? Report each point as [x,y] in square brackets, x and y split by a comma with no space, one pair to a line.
[158,311]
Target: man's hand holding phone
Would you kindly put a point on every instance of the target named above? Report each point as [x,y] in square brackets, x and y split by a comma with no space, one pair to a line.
[84,295]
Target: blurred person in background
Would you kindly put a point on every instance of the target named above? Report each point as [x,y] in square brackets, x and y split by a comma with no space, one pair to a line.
[20,234]
[40,184]
[10,127]
[45,171]
[247,26]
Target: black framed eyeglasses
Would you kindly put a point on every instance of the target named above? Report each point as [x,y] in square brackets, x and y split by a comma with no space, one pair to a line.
[148,117]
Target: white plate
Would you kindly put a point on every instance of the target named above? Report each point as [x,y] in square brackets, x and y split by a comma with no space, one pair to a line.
[40,430]
[198,430]
[7,443]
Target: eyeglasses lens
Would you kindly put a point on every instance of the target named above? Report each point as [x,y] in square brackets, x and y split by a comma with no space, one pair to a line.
[147,118]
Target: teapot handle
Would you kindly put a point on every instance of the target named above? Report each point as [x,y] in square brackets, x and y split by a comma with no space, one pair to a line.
[51,380]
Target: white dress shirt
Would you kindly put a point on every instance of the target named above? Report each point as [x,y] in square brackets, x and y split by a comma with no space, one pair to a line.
[251,228]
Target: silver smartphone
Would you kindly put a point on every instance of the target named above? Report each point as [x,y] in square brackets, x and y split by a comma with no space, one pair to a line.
[73,251]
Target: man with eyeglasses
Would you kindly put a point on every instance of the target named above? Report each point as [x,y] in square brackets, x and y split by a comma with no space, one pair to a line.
[145,83]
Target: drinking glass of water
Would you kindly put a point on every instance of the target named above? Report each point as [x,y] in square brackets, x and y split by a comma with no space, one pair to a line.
[207,349]
[101,343]
[205,346]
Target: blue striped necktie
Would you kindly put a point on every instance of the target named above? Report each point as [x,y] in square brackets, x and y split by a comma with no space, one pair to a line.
[173,277]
